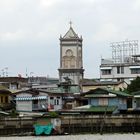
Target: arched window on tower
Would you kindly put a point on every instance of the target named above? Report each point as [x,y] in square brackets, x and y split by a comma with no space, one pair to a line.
[69,61]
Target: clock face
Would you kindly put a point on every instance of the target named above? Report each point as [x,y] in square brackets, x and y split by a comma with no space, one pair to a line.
[69,52]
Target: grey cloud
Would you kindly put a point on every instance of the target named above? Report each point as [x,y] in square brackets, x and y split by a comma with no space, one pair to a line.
[30,30]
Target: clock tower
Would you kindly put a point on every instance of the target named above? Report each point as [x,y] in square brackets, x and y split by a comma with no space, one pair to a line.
[71,63]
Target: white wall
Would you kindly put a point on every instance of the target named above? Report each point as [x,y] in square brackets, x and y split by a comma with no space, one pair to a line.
[23,105]
[114,75]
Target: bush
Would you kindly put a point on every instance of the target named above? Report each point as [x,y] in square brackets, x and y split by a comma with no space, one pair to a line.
[14,113]
[53,114]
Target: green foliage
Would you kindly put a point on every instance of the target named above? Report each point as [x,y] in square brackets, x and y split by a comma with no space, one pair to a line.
[53,114]
[14,113]
[134,86]
[126,91]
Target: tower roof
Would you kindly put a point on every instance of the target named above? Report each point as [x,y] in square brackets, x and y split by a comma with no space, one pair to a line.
[70,34]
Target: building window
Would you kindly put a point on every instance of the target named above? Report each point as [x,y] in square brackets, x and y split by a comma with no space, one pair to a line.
[122,101]
[137,102]
[51,100]
[120,70]
[1,99]
[106,72]
[55,102]
[35,102]
[103,101]
[6,99]
[135,71]
[58,102]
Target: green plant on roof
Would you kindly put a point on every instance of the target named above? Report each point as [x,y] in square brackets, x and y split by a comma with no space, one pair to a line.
[53,114]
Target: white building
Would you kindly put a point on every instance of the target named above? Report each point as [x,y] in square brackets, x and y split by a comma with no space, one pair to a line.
[37,100]
[124,64]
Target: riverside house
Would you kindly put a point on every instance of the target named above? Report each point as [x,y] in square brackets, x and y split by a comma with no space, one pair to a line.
[50,99]
[36,100]
[104,100]
[30,100]
[89,84]
[5,99]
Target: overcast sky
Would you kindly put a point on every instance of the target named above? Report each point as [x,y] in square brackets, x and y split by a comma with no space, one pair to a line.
[30,31]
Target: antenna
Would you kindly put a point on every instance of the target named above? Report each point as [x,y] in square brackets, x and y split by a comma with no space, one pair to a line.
[70,23]
[26,73]
[6,71]
[3,73]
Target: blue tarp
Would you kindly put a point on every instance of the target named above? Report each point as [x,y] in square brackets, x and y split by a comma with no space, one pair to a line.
[43,129]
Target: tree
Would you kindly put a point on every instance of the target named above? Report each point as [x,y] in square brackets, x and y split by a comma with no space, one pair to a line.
[134,86]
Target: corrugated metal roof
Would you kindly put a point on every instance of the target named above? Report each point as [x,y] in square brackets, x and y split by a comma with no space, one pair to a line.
[97,108]
[119,93]
[99,95]
[25,98]
[102,108]
[71,89]
[100,91]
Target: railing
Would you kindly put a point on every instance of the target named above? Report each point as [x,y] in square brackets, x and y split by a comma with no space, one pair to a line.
[39,106]
[44,107]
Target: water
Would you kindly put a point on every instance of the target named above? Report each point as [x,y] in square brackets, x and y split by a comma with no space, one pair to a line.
[79,137]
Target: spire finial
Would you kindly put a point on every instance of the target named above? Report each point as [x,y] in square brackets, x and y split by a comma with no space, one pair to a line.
[70,23]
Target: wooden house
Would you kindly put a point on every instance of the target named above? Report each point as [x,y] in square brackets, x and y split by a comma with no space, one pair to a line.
[5,99]
[108,100]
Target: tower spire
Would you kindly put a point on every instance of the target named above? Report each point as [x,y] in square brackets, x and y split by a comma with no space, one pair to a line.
[70,23]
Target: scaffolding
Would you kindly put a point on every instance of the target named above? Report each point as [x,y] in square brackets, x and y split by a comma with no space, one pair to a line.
[123,51]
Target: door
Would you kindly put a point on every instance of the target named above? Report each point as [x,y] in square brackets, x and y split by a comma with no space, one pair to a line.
[129,103]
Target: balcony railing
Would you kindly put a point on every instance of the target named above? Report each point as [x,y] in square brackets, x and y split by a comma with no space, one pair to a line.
[39,107]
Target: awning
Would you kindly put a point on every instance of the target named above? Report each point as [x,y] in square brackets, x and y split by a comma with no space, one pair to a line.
[68,97]
[25,98]
[137,96]
[105,68]
[134,67]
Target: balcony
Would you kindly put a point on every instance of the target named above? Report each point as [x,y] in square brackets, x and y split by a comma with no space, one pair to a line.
[36,107]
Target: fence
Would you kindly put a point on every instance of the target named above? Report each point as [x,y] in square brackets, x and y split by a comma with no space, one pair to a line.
[100,124]
[74,124]
[17,126]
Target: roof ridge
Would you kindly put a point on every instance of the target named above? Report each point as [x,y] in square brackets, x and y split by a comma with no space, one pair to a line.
[69,33]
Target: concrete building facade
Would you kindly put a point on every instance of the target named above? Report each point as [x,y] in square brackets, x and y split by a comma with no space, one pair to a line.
[124,64]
